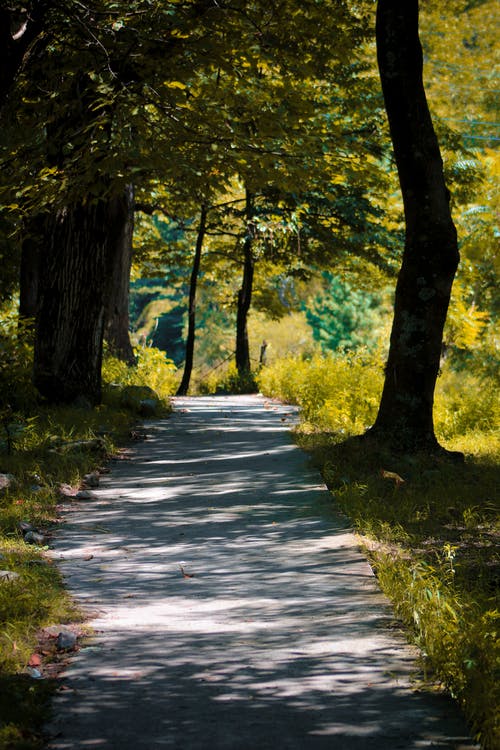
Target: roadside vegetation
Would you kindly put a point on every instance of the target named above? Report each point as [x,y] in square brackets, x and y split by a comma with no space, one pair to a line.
[43,451]
[430,526]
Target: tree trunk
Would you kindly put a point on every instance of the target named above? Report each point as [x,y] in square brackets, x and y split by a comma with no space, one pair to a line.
[31,253]
[121,229]
[16,42]
[188,364]
[430,259]
[74,284]
[245,295]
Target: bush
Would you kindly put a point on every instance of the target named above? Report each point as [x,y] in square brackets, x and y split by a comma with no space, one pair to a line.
[16,364]
[465,402]
[336,393]
[153,369]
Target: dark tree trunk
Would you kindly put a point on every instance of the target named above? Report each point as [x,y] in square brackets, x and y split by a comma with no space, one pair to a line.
[74,284]
[16,42]
[430,259]
[245,294]
[121,229]
[31,253]
[188,364]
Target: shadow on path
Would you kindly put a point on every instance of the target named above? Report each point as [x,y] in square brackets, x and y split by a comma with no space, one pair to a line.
[232,607]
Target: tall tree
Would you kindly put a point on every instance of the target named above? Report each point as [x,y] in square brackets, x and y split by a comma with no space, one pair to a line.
[121,230]
[188,363]
[431,257]
[245,292]
[74,284]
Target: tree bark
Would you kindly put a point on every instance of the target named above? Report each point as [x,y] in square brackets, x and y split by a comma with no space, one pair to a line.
[121,229]
[188,363]
[245,294]
[74,284]
[430,259]
[31,253]
[15,43]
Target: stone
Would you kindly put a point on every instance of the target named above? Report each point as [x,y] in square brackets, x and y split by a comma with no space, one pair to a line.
[9,575]
[84,495]
[24,527]
[66,640]
[7,482]
[133,395]
[34,673]
[66,490]
[92,479]
[34,537]
[148,407]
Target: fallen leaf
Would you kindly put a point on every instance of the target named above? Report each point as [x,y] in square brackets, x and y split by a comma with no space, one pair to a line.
[186,575]
[35,660]
[392,475]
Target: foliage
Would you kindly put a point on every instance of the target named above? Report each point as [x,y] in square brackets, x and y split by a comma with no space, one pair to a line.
[16,358]
[432,534]
[337,393]
[38,598]
[152,368]
[432,542]
[342,318]
[466,402]
[230,382]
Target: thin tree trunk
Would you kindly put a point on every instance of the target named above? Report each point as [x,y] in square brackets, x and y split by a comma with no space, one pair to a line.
[245,294]
[74,284]
[188,363]
[430,259]
[121,229]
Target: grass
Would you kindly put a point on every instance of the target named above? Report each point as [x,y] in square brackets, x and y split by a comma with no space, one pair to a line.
[433,542]
[430,528]
[37,599]
[34,448]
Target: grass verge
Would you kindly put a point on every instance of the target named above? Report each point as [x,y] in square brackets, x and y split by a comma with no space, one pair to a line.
[433,542]
[32,595]
[430,528]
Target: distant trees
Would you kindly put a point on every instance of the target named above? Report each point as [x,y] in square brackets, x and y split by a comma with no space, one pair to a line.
[343,318]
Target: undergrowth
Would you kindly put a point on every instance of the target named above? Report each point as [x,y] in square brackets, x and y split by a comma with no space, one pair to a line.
[430,528]
[152,369]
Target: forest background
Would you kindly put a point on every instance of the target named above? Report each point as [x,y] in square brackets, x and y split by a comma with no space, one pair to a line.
[246,148]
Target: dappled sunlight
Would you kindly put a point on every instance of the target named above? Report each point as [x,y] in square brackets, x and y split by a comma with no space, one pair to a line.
[231,607]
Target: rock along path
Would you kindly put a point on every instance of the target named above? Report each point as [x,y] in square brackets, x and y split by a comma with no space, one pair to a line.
[232,608]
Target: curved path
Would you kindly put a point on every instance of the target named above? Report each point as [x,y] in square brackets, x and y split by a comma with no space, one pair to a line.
[232,608]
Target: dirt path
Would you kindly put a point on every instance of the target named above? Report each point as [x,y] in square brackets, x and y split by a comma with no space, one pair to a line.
[232,609]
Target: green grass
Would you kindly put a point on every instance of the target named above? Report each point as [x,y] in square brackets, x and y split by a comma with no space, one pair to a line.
[433,539]
[37,598]
[33,448]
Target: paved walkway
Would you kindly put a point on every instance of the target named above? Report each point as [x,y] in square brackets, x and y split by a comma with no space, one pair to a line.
[232,608]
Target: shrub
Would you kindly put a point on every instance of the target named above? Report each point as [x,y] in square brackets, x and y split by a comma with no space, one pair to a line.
[153,369]
[336,393]
[16,364]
